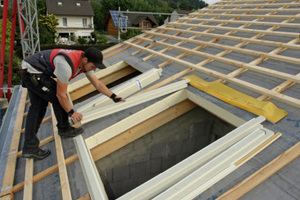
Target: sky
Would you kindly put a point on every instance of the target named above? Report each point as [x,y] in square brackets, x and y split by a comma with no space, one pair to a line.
[210,2]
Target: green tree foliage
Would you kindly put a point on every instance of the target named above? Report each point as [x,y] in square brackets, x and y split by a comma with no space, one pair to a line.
[47,28]
[130,33]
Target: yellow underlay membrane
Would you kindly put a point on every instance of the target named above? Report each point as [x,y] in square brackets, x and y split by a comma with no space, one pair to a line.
[238,99]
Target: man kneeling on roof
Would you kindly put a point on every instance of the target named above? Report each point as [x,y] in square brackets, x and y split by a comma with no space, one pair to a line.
[38,71]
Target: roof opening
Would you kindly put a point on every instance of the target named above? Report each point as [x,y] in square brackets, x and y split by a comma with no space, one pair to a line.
[78,4]
[162,148]
[59,3]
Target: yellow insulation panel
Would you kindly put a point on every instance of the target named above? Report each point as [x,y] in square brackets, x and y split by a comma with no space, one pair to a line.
[238,99]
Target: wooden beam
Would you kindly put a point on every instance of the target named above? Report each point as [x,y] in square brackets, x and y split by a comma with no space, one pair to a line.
[10,169]
[28,183]
[63,175]
[261,175]
[141,129]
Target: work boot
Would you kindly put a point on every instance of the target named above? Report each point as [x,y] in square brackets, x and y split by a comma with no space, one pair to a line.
[38,154]
[71,132]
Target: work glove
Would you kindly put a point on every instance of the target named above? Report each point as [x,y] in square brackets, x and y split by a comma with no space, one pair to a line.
[116,99]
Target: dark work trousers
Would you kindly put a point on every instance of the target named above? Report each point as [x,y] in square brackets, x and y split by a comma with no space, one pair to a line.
[40,93]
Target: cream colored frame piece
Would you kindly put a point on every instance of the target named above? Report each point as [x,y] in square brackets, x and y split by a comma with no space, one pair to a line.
[124,90]
[92,178]
[102,112]
[232,143]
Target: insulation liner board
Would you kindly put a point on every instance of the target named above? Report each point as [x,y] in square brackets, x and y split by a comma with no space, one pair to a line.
[101,112]
[126,89]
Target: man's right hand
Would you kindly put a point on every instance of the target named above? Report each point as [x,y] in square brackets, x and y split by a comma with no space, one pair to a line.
[77,117]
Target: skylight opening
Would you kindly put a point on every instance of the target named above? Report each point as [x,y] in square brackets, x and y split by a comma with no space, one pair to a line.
[59,3]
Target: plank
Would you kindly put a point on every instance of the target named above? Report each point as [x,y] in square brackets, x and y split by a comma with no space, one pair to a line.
[9,174]
[28,183]
[64,181]
[262,174]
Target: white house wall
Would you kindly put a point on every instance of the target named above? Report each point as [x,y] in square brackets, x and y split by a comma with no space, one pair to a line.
[75,25]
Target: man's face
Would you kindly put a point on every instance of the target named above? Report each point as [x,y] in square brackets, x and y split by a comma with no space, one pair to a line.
[88,66]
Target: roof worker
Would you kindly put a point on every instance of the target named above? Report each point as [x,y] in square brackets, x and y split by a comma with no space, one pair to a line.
[38,71]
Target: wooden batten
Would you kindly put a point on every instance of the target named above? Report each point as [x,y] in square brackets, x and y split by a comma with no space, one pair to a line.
[262,174]
[28,182]
[9,174]
[63,175]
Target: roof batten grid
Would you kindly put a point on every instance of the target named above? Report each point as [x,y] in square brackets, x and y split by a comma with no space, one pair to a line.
[197,48]
[243,43]
[233,62]
[258,61]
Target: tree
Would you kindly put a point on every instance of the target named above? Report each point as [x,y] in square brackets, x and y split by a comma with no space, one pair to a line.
[99,17]
[47,26]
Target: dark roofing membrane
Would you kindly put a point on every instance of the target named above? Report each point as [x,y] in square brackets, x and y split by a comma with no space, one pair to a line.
[282,185]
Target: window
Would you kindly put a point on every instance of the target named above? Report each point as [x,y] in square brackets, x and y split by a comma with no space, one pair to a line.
[78,4]
[59,3]
[84,22]
[65,23]
[145,23]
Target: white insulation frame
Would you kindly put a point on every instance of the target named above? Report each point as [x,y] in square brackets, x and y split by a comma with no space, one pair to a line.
[201,170]
[124,90]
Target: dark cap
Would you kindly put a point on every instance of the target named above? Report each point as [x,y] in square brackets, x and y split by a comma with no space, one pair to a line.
[95,56]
